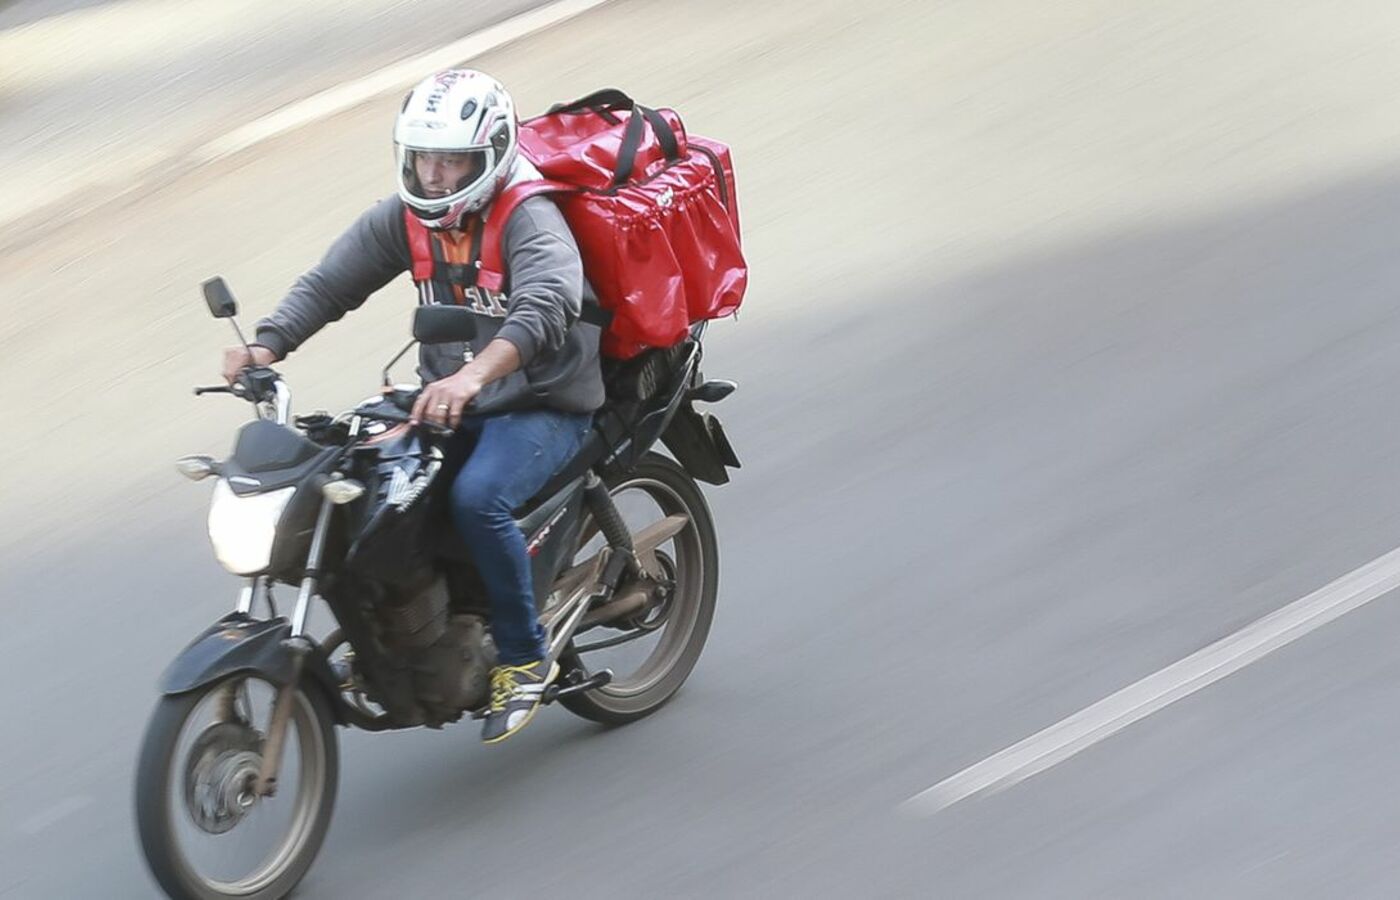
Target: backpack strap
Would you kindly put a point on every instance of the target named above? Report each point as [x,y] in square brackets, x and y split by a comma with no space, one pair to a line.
[487,243]
[492,261]
[491,253]
[420,246]
[438,280]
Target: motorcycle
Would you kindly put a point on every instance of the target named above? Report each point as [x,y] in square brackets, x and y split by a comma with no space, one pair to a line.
[350,510]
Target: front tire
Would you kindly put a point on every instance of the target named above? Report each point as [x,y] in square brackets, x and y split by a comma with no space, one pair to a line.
[167,784]
[694,560]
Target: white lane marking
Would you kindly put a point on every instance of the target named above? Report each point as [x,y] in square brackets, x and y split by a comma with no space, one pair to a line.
[1113,713]
[394,77]
[47,818]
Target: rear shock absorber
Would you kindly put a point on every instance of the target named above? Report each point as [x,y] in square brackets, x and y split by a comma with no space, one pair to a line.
[610,523]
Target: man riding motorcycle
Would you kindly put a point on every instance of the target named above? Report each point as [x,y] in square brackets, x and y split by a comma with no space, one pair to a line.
[520,395]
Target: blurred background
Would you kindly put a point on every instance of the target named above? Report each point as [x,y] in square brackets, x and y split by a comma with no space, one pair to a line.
[1070,348]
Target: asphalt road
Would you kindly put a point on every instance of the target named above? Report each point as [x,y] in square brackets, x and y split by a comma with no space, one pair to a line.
[94,95]
[1069,350]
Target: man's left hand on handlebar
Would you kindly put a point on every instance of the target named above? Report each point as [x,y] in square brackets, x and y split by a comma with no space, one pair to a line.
[441,402]
[236,359]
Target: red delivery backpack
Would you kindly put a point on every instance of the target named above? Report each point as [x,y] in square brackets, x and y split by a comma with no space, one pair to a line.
[653,210]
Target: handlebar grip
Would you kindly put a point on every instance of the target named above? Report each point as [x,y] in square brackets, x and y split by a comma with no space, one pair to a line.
[404,400]
[402,417]
[385,415]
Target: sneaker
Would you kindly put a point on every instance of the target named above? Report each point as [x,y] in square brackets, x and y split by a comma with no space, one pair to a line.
[515,697]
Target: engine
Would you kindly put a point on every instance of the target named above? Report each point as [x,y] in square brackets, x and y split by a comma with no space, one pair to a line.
[451,654]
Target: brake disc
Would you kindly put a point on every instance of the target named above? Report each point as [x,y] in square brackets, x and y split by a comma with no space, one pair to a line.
[221,769]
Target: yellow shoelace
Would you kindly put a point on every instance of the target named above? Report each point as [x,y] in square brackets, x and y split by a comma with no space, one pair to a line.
[503,684]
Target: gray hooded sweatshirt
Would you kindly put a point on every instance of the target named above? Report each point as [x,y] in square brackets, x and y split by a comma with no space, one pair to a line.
[538,312]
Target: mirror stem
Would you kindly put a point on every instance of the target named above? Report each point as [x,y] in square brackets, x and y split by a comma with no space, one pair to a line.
[242,340]
[398,356]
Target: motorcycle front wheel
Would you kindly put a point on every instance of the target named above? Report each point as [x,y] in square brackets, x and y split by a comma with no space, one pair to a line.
[205,833]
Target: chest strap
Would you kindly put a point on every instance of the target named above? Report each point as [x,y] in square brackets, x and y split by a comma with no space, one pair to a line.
[446,282]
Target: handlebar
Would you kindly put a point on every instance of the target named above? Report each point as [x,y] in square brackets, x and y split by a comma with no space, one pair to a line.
[402,399]
[236,389]
[401,417]
[257,384]
[262,384]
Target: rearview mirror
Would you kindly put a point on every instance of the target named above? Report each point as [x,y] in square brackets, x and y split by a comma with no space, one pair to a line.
[442,324]
[220,298]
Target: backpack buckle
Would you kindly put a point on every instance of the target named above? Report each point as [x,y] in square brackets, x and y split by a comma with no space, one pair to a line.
[461,275]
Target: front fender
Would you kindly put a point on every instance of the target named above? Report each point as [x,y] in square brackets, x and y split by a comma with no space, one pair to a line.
[237,643]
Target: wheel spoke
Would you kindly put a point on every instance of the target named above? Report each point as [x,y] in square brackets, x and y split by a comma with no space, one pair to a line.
[624,638]
[660,516]
[673,536]
[227,847]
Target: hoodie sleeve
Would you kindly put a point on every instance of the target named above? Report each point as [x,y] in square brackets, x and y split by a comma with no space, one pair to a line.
[370,254]
[546,279]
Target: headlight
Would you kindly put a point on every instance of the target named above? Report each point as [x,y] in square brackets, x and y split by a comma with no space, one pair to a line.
[242,529]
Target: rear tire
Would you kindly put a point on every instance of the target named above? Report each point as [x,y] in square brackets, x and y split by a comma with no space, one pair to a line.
[675,491]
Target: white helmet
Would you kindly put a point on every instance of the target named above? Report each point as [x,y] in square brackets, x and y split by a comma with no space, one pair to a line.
[466,114]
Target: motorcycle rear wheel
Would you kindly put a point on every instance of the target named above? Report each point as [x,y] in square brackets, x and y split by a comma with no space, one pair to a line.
[170,796]
[693,559]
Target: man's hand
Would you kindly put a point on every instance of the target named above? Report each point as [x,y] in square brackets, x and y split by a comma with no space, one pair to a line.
[442,402]
[236,359]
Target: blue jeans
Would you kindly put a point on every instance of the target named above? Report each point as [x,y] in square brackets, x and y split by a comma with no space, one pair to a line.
[512,456]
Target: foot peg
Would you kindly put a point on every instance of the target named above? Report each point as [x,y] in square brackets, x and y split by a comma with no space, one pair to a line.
[575,683]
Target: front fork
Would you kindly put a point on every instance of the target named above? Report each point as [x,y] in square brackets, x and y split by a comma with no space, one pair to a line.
[297,644]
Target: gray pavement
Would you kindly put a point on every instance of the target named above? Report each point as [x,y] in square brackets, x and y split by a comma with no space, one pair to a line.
[1272,783]
[96,94]
[1095,371]
[26,12]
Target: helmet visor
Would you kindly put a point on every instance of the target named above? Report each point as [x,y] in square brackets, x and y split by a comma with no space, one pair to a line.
[434,177]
